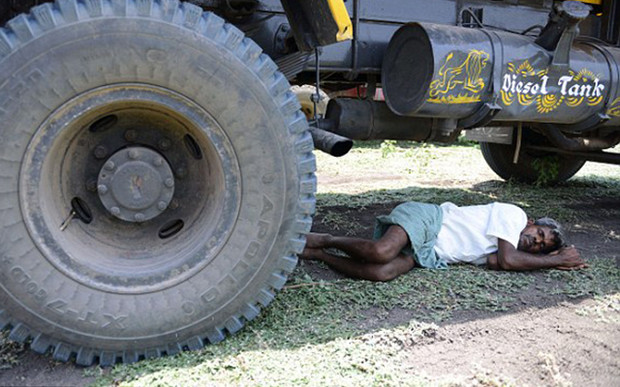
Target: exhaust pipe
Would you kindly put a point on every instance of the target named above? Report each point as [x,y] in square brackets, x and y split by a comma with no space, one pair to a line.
[365,119]
[478,75]
[330,143]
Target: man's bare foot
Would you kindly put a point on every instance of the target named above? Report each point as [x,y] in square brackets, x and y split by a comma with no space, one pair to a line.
[310,254]
[316,241]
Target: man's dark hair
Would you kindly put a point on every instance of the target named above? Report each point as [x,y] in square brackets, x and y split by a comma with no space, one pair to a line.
[559,239]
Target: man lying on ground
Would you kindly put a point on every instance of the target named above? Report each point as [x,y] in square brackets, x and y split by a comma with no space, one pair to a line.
[418,234]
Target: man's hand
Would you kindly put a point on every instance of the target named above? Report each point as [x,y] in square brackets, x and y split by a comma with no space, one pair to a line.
[509,258]
[569,258]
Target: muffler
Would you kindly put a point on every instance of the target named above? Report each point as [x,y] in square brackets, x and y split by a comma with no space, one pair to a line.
[479,75]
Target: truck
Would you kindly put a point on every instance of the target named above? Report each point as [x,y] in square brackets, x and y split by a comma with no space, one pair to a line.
[157,172]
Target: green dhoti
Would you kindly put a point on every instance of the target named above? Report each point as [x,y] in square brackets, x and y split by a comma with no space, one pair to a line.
[421,222]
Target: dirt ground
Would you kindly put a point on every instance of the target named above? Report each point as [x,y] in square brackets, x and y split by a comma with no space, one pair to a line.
[539,341]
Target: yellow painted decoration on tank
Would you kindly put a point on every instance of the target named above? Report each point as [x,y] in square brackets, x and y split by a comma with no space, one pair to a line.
[614,108]
[342,19]
[595,2]
[574,101]
[523,84]
[463,76]
[548,103]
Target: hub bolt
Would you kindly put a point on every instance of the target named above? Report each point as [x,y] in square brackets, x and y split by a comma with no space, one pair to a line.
[102,189]
[181,172]
[169,183]
[100,152]
[158,162]
[162,206]
[164,144]
[131,135]
[174,204]
[139,217]
[109,165]
[91,185]
[132,154]
[115,211]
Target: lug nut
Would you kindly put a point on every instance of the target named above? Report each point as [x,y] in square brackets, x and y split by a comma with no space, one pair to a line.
[164,144]
[131,135]
[181,172]
[102,189]
[162,205]
[91,185]
[100,152]
[132,154]
[139,217]
[169,182]
[115,211]
[109,165]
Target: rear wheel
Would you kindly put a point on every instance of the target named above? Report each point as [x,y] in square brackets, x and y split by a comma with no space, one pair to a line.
[532,166]
[157,179]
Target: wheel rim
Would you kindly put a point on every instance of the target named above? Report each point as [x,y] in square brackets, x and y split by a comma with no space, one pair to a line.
[106,145]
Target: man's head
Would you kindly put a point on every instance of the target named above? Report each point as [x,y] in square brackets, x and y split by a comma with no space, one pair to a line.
[541,236]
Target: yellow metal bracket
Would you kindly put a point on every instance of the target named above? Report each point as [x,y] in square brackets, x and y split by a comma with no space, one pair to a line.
[342,19]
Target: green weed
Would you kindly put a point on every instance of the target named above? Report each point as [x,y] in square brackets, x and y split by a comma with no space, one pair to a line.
[547,168]
[9,351]
[387,147]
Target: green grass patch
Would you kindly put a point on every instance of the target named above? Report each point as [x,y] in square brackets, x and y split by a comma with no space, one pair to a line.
[603,277]
[9,351]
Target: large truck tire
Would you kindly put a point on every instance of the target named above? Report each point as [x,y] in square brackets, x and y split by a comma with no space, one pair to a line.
[157,179]
[500,158]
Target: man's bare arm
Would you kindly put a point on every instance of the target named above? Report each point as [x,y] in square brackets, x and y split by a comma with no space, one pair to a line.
[509,258]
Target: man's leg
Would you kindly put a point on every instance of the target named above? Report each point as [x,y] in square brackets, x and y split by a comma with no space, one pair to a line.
[382,250]
[365,270]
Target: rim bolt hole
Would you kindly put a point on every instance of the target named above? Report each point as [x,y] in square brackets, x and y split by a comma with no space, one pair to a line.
[171,228]
[103,124]
[192,147]
[81,210]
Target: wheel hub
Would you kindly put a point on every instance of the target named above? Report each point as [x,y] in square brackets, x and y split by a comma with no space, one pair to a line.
[136,184]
